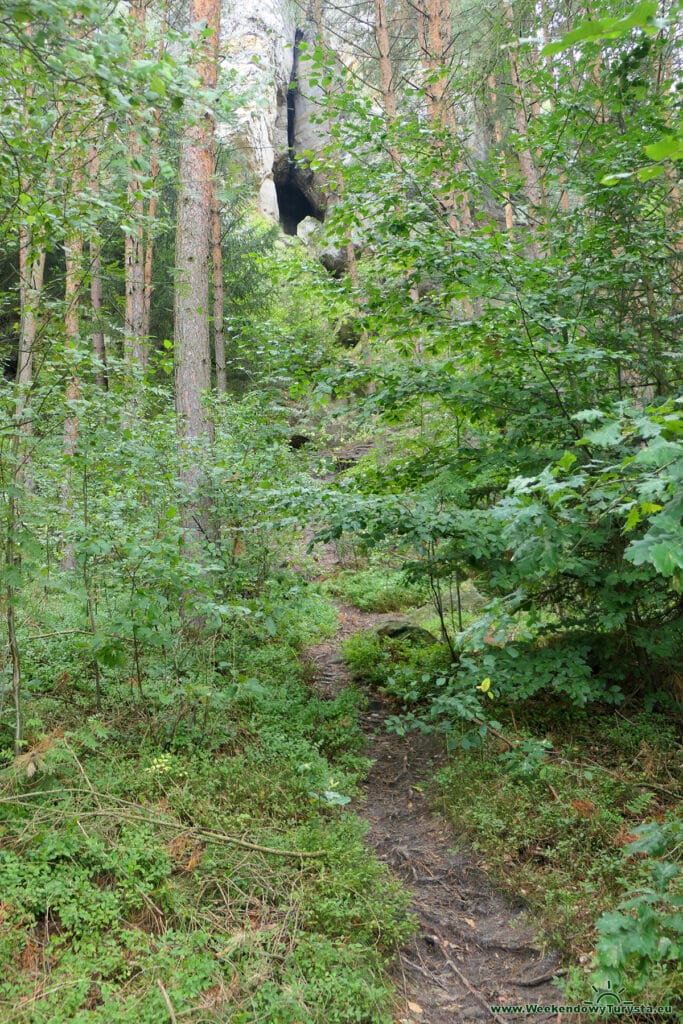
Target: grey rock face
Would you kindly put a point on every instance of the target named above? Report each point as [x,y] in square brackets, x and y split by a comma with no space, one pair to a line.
[333,258]
[275,122]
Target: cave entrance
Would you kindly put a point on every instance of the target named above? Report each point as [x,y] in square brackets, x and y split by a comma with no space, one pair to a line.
[296,195]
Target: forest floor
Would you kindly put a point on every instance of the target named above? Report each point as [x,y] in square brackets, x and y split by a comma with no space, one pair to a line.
[473,948]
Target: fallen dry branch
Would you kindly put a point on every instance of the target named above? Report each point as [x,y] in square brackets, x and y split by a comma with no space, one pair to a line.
[475,993]
[169,1004]
[126,814]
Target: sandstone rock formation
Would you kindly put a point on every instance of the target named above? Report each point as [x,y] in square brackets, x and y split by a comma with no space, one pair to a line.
[275,123]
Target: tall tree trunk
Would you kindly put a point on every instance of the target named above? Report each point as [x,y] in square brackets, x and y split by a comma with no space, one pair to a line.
[386,71]
[430,39]
[192,343]
[551,97]
[73,254]
[386,74]
[31,274]
[98,345]
[152,205]
[351,261]
[135,344]
[218,303]
[149,233]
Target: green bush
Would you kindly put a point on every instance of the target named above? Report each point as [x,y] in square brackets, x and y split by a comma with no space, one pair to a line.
[641,941]
[378,590]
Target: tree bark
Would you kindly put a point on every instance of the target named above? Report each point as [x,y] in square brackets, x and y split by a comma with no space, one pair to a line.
[192,343]
[498,135]
[386,74]
[98,345]
[135,343]
[149,233]
[530,177]
[218,298]
[31,275]
[351,261]
[148,287]
[73,254]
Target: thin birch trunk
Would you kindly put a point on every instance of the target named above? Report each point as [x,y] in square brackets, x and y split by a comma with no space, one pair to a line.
[149,232]
[73,254]
[135,344]
[31,275]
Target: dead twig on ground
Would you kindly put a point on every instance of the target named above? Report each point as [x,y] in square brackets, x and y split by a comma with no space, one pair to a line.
[475,993]
[167,1000]
[150,819]
[427,974]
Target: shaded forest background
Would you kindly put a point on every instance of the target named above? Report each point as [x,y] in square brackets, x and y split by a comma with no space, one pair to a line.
[477,398]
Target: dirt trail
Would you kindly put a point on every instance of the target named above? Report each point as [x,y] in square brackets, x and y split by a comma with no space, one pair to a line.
[473,948]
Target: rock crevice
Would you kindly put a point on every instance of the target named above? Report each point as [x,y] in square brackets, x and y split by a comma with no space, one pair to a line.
[274,126]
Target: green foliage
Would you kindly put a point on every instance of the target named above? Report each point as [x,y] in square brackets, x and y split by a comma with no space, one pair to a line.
[277,343]
[561,819]
[525,382]
[366,656]
[118,863]
[640,941]
[539,451]
[377,590]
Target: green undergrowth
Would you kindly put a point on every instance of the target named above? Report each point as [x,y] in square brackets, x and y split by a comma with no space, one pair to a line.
[575,810]
[184,852]
[581,821]
[394,665]
[377,590]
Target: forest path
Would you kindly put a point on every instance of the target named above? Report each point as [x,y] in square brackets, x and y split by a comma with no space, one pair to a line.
[473,948]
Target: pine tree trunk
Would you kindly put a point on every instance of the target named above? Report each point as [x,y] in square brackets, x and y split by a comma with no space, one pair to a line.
[31,275]
[192,343]
[530,177]
[98,346]
[148,286]
[218,298]
[351,261]
[386,74]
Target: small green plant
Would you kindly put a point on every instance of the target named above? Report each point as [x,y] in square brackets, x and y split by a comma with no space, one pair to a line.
[378,590]
[561,821]
[641,941]
[366,656]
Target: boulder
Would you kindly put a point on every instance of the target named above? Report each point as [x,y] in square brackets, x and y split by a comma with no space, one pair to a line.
[398,629]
